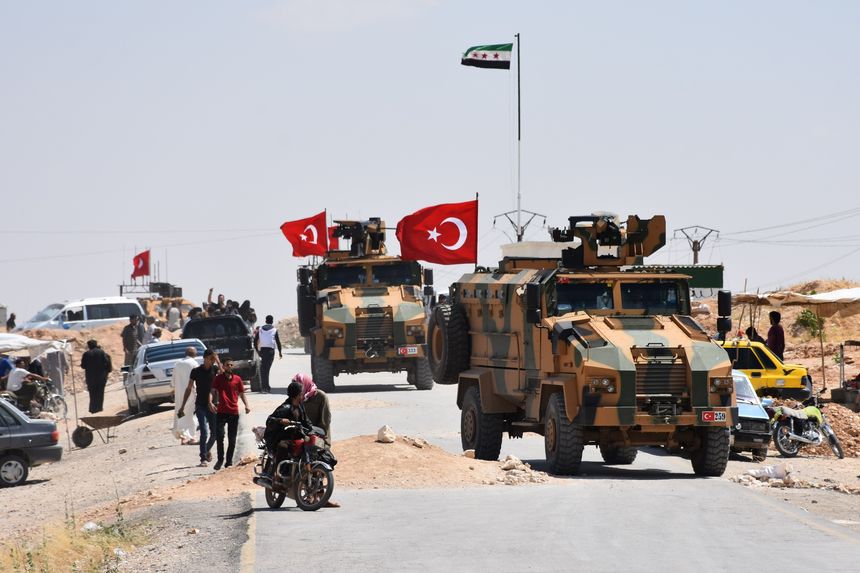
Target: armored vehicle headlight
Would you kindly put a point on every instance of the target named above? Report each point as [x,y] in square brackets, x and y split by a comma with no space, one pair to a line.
[332,332]
[600,384]
[415,330]
[723,385]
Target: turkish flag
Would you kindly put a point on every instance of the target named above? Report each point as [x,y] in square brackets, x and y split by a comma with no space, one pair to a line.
[446,234]
[308,236]
[333,242]
[141,265]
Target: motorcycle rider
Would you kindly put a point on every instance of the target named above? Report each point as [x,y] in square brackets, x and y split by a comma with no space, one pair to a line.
[20,383]
[280,425]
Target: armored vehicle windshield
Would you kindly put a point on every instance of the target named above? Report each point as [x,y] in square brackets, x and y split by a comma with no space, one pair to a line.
[379,273]
[620,296]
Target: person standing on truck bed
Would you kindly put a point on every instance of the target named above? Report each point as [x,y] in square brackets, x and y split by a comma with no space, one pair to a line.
[266,339]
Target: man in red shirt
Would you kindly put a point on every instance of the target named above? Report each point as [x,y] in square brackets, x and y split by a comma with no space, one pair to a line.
[227,388]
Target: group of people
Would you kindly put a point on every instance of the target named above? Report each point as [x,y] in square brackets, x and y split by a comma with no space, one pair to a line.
[17,378]
[223,306]
[775,335]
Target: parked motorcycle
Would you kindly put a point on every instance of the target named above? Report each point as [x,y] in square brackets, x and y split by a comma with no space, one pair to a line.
[795,428]
[305,475]
[45,399]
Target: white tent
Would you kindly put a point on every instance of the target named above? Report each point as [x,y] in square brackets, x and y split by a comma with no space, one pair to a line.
[16,342]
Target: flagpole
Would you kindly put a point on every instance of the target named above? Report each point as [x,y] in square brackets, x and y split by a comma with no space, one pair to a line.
[519,146]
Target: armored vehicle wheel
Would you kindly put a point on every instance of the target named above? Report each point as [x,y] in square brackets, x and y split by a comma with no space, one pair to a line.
[618,456]
[563,440]
[323,373]
[448,343]
[713,455]
[422,376]
[479,431]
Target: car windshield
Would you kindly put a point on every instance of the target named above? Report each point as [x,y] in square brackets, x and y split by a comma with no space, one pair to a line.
[744,390]
[340,276]
[220,328]
[48,313]
[583,296]
[174,351]
[652,297]
[396,274]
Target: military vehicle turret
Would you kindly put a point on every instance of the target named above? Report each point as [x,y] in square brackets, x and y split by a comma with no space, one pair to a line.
[579,347]
[364,311]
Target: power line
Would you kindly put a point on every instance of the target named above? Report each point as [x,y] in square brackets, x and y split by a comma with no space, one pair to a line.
[852,212]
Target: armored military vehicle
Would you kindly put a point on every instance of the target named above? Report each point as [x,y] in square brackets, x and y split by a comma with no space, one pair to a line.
[582,349]
[363,311]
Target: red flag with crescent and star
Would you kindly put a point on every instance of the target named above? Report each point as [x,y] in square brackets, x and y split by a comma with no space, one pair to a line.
[446,234]
[141,265]
[307,236]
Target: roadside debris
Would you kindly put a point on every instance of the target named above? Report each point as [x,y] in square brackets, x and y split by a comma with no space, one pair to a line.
[386,435]
[785,476]
[518,472]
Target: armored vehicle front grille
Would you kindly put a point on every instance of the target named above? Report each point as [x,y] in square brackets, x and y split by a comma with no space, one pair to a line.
[655,377]
[373,327]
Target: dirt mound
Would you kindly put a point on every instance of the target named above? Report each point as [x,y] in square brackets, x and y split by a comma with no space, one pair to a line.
[288,332]
[411,463]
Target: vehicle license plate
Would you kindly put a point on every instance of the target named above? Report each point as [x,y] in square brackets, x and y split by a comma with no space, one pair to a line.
[407,350]
[711,416]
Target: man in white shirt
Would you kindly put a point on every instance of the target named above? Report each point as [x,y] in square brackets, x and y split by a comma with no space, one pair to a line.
[19,382]
[266,340]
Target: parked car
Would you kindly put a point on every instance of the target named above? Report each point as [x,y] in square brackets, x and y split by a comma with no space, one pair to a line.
[754,431]
[84,313]
[229,337]
[149,380]
[768,374]
[25,443]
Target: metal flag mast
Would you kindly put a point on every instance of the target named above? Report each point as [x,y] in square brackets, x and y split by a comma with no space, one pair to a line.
[519,226]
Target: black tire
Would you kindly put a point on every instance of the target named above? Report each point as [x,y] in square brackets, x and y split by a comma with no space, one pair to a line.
[563,440]
[422,376]
[712,457]
[274,499]
[835,446]
[618,456]
[479,431]
[82,437]
[323,373]
[785,447]
[13,470]
[448,343]
[313,497]
[759,454]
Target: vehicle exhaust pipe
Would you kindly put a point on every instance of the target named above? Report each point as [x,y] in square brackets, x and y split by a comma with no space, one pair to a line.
[797,438]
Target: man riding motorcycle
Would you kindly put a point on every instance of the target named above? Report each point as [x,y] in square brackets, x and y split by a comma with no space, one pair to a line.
[20,384]
[283,425]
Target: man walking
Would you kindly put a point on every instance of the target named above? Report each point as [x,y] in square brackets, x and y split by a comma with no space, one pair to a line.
[183,426]
[227,388]
[96,364]
[202,378]
[266,339]
[130,339]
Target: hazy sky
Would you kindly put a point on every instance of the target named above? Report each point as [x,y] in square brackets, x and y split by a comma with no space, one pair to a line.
[197,128]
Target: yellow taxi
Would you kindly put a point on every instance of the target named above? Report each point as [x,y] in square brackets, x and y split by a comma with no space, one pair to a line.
[768,374]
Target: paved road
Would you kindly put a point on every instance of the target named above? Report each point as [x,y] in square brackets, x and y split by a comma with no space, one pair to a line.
[652,515]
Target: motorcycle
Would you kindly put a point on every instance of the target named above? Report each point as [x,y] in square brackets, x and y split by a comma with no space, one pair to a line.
[305,475]
[45,399]
[795,428]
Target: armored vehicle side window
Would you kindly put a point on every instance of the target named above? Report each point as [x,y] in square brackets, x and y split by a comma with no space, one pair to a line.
[743,358]
[571,297]
[399,274]
[653,298]
[340,276]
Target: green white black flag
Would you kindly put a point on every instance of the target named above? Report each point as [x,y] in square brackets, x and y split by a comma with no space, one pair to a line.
[489,56]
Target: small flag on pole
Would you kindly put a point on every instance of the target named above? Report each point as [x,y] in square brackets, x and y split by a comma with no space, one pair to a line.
[489,56]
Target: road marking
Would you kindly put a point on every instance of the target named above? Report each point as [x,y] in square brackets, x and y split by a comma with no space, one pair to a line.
[249,549]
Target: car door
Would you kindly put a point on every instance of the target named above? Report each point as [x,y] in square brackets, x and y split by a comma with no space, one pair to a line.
[773,376]
[8,427]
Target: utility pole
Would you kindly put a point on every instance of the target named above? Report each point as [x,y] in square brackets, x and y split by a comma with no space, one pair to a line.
[696,238]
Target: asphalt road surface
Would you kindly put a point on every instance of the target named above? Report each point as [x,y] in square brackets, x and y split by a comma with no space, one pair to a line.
[652,515]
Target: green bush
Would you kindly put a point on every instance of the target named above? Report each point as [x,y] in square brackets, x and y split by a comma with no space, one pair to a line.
[808,320]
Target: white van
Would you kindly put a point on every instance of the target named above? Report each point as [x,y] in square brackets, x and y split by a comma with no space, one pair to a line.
[84,313]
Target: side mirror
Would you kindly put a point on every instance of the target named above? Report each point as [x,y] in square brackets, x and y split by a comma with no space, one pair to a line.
[428,290]
[533,310]
[724,324]
[428,277]
[304,275]
[724,303]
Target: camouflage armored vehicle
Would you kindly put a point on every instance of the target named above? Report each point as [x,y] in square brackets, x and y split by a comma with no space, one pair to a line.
[582,349]
[363,311]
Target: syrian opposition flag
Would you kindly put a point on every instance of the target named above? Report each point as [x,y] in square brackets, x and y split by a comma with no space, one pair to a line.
[489,56]
[141,265]
[446,234]
[307,236]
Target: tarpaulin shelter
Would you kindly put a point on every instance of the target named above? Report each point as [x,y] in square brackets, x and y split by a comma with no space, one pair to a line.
[843,302]
[16,343]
